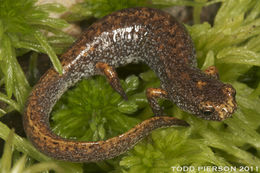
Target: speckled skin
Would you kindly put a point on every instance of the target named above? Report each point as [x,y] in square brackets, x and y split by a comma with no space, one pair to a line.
[127,36]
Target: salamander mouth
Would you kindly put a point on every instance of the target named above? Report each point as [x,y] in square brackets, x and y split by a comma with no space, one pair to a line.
[221,109]
[217,112]
[226,109]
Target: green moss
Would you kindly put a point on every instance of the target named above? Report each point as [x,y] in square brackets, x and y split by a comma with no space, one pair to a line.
[93,111]
[12,161]
[100,8]
[23,27]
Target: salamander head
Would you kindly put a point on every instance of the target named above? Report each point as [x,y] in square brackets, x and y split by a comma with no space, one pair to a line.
[217,109]
[202,95]
[199,93]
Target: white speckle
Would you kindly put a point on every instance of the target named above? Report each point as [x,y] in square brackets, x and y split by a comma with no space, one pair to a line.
[128,29]
[135,36]
[137,27]
[114,36]
[129,36]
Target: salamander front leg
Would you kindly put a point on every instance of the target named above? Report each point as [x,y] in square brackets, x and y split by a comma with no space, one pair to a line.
[212,71]
[153,94]
[112,77]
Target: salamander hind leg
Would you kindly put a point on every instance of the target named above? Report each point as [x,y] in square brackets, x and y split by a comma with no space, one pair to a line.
[212,71]
[153,94]
[112,77]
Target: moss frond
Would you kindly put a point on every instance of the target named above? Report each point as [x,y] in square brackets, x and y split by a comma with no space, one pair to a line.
[21,27]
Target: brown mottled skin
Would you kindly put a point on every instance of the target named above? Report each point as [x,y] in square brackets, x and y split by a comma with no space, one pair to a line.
[128,36]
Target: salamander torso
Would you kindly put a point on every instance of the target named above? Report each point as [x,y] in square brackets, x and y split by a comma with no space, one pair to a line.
[128,36]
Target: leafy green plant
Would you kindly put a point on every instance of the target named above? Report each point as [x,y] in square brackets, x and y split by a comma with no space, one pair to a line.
[93,111]
[24,27]
[100,8]
[22,164]
[97,109]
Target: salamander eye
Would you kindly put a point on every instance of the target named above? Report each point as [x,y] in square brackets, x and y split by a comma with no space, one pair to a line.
[207,110]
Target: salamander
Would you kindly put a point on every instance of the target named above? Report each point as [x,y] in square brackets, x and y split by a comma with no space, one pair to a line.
[135,35]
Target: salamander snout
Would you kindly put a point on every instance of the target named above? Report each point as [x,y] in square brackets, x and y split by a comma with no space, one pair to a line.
[219,109]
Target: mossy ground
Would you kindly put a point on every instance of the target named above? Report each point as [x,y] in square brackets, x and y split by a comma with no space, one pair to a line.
[93,111]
